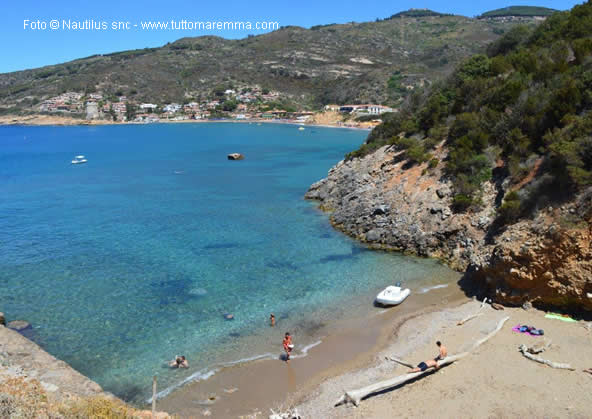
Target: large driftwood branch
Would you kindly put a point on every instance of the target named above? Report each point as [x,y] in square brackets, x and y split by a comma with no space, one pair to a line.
[355,396]
[524,350]
[466,319]
[539,347]
[400,361]
[472,316]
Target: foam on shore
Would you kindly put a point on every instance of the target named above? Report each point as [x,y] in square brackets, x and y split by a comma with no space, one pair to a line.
[206,373]
[433,287]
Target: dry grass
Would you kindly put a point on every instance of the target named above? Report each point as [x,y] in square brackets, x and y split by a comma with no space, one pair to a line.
[22,398]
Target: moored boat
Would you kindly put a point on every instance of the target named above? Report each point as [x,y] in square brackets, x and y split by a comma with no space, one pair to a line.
[392,295]
[79,160]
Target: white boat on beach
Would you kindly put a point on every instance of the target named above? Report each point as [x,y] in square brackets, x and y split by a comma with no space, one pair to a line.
[79,160]
[392,295]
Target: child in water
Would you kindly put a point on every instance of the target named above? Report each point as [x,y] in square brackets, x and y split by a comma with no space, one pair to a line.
[288,345]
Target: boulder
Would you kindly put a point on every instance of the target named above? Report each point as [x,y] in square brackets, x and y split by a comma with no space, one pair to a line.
[235,156]
[19,325]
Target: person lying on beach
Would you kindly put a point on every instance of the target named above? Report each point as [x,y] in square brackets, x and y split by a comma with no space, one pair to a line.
[422,366]
[179,362]
[288,345]
[443,352]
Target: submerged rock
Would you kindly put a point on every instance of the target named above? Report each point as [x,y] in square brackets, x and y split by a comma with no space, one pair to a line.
[19,325]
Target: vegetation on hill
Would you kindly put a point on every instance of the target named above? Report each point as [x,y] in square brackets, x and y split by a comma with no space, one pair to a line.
[418,13]
[518,11]
[522,111]
[339,63]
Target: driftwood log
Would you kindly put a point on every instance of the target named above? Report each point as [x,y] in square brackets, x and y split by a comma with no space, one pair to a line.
[472,316]
[559,365]
[400,361]
[538,348]
[355,396]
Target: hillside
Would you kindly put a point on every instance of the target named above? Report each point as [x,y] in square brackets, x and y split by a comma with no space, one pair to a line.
[337,63]
[524,11]
[491,170]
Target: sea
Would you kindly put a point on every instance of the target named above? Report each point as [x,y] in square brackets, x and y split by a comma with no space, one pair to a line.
[159,246]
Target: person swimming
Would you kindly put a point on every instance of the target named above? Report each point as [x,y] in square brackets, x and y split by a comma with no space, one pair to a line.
[179,362]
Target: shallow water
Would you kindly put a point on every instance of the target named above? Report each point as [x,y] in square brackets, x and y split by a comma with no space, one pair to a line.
[136,256]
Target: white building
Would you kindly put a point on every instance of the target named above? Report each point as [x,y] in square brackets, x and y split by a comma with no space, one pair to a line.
[172,107]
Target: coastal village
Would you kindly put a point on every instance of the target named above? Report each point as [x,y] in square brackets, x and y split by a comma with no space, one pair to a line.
[250,103]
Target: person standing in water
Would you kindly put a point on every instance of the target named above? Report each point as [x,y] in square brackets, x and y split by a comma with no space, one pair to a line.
[288,345]
[271,320]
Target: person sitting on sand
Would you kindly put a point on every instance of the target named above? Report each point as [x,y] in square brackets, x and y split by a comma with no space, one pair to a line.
[271,320]
[443,352]
[179,362]
[288,345]
[422,366]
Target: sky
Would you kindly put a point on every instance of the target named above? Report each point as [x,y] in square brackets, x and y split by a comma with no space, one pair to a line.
[26,46]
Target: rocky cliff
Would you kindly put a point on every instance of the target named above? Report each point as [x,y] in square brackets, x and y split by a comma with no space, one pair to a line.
[384,201]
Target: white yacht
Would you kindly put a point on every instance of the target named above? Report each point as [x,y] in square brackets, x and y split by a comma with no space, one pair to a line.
[79,160]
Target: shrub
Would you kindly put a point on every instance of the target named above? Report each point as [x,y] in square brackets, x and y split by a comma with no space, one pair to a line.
[461,202]
[510,210]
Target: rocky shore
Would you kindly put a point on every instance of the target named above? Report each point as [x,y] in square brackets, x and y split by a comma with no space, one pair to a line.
[384,201]
[33,383]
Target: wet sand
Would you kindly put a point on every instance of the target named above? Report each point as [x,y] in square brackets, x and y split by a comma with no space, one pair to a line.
[253,388]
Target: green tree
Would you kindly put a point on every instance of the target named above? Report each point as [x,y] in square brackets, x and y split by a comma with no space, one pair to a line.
[130,111]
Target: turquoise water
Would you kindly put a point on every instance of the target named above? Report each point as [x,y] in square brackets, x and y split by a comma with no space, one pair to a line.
[125,261]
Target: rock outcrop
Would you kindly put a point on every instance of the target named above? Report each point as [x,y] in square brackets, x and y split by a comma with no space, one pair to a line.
[22,358]
[235,156]
[384,201]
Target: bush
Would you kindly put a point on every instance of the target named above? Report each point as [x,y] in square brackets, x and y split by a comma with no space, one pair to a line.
[433,163]
[461,202]
[510,210]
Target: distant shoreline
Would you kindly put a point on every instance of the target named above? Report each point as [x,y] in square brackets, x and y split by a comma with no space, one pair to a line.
[49,120]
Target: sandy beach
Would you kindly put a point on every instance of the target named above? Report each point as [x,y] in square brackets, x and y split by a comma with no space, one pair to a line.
[42,120]
[253,388]
[495,381]
[504,383]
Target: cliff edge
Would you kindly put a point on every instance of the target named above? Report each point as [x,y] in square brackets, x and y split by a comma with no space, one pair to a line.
[384,201]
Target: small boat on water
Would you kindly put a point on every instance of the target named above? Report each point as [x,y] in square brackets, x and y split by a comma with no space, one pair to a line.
[392,295]
[79,160]
[301,129]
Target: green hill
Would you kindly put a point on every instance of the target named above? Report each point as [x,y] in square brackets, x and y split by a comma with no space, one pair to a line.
[418,13]
[336,63]
[522,115]
[524,11]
